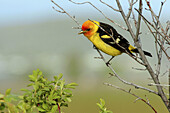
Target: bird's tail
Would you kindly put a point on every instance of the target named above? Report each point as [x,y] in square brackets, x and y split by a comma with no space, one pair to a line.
[134,50]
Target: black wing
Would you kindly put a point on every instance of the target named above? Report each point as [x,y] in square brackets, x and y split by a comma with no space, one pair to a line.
[119,39]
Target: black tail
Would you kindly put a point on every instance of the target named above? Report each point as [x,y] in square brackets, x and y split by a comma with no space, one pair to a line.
[145,52]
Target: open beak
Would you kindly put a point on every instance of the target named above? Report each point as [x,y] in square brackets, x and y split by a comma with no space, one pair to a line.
[82,32]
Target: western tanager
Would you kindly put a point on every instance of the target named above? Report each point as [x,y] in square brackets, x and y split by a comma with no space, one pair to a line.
[105,38]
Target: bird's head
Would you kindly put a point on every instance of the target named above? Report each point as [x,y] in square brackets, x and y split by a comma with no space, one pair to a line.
[89,28]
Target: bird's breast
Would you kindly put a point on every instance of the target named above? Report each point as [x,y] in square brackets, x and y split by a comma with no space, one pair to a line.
[96,40]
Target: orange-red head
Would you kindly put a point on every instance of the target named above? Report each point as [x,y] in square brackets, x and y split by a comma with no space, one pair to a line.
[89,28]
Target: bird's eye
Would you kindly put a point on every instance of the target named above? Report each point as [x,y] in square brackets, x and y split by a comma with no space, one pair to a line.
[87,29]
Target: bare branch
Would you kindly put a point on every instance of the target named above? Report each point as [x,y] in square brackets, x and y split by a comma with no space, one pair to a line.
[58,10]
[164,85]
[101,13]
[130,9]
[63,11]
[109,6]
[153,26]
[76,27]
[122,80]
[162,3]
[169,90]
[147,22]
[139,69]
[133,17]
[139,20]
[156,38]
[160,25]
[138,98]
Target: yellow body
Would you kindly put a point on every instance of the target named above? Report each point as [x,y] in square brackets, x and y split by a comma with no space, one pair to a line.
[96,40]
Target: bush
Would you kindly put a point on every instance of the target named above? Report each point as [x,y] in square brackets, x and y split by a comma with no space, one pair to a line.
[45,97]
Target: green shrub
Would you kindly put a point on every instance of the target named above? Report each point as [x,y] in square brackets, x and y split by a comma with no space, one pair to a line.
[44,97]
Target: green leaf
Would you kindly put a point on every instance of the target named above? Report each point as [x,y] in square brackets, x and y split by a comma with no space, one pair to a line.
[30,84]
[35,73]
[73,84]
[40,109]
[102,102]
[54,108]
[68,99]
[8,91]
[60,76]
[62,82]
[40,73]
[45,106]
[56,78]
[108,111]
[36,87]
[101,107]
[37,70]
[26,90]
[53,102]
[68,86]
[32,78]
[56,97]
[64,104]
[67,91]
[46,89]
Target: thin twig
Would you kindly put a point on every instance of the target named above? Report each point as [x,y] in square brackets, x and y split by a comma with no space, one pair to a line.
[147,22]
[130,9]
[122,80]
[63,11]
[138,98]
[159,53]
[164,85]
[160,25]
[109,5]
[139,20]
[133,17]
[156,38]
[139,69]
[101,13]
[169,90]
[153,27]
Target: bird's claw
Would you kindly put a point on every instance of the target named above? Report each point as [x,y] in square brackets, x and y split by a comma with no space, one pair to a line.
[94,47]
[108,63]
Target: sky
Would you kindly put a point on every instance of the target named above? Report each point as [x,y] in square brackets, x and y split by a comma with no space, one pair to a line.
[16,12]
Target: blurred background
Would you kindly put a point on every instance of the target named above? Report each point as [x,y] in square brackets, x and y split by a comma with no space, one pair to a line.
[34,36]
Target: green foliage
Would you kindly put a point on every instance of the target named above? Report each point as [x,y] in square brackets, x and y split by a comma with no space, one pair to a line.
[5,102]
[102,107]
[45,96]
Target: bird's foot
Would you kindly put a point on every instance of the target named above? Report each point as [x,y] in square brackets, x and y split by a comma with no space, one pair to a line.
[94,47]
[108,63]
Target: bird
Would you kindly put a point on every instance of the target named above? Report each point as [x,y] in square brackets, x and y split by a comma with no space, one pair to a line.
[105,38]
